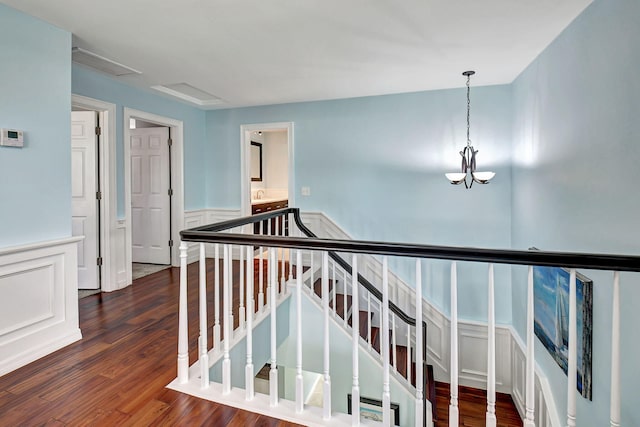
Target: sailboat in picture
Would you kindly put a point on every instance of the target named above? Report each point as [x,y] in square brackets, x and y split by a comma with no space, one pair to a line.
[551,320]
[561,340]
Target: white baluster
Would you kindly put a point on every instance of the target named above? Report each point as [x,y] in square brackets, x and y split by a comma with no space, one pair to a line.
[299,380]
[261,275]
[326,389]
[313,283]
[276,233]
[216,298]
[384,346]
[229,261]
[283,279]
[355,340]
[290,256]
[273,373]
[530,399]
[248,370]
[202,339]
[369,319]
[491,356]
[394,332]
[270,282]
[183,325]
[241,312]
[333,287]
[408,376]
[419,356]
[226,310]
[615,352]
[344,299]
[572,368]
[453,405]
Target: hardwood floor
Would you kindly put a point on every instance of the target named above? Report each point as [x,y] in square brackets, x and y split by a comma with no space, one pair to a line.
[116,375]
[472,404]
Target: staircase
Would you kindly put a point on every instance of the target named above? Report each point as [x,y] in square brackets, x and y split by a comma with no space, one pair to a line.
[342,306]
[378,327]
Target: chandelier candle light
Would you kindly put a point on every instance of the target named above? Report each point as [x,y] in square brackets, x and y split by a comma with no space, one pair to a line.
[469,174]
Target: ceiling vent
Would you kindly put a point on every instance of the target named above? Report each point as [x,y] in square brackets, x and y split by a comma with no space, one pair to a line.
[189,93]
[100,63]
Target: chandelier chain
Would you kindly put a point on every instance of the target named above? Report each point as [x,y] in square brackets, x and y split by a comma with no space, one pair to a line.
[468,109]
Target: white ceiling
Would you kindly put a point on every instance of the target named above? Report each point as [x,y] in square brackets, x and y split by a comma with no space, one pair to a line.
[257,52]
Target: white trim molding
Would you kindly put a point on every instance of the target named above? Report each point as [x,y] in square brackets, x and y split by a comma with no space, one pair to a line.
[38,301]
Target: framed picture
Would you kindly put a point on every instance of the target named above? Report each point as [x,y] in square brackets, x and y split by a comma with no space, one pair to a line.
[551,319]
[371,409]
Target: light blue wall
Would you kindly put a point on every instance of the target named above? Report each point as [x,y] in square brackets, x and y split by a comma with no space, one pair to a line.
[35,96]
[95,85]
[575,180]
[376,165]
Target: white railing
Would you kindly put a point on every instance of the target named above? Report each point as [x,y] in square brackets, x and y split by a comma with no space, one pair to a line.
[341,298]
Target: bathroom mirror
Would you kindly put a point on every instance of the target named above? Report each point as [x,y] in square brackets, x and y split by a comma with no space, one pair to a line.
[256,161]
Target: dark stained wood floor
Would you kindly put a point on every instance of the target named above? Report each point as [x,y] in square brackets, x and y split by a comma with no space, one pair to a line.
[116,375]
[472,407]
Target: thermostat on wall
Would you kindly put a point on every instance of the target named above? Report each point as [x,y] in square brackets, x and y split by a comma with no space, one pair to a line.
[11,138]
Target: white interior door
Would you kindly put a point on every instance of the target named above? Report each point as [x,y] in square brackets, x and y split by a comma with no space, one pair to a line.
[150,200]
[84,221]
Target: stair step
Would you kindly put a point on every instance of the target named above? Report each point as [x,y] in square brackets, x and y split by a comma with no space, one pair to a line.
[401,350]
[340,304]
[317,287]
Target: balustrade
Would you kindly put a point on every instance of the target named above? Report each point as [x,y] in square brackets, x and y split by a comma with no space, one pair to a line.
[376,324]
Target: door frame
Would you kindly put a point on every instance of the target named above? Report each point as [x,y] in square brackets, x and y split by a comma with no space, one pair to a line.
[245,161]
[107,175]
[176,129]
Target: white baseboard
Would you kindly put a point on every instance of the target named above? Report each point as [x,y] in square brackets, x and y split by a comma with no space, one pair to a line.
[38,301]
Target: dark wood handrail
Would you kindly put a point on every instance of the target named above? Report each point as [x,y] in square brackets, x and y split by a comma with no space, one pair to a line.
[214,234]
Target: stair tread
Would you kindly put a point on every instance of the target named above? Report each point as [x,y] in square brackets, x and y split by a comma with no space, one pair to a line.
[340,304]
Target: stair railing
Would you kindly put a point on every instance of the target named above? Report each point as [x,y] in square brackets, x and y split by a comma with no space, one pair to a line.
[397,312]
[219,234]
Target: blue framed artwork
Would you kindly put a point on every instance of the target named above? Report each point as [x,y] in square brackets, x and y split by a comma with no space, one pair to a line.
[551,319]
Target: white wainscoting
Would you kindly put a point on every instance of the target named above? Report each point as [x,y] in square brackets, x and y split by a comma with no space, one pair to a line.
[203,217]
[38,301]
[122,273]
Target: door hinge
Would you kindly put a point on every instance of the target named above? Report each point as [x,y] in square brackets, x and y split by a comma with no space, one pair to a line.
[170,192]
[170,142]
[98,130]
[99,261]
[99,195]
[170,243]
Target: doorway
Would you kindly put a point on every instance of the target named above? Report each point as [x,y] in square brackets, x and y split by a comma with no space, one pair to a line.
[104,174]
[153,187]
[86,195]
[267,165]
[150,194]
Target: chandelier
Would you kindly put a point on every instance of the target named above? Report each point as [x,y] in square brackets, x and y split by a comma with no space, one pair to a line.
[468,174]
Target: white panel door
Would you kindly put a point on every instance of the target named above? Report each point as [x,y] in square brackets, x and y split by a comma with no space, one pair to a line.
[150,202]
[84,221]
